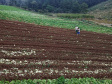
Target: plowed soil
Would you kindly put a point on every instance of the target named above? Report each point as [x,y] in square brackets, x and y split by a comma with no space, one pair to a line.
[29,51]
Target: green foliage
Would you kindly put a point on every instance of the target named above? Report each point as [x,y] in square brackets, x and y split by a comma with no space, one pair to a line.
[9,8]
[60,80]
[66,6]
[102,10]
[50,8]
[71,16]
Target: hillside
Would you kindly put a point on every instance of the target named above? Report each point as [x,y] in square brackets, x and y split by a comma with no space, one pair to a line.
[29,51]
[102,10]
[16,14]
[53,6]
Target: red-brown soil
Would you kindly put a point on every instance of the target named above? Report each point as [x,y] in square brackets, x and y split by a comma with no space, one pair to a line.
[29,51]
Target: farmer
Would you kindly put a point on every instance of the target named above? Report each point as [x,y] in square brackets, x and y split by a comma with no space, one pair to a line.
[77,29]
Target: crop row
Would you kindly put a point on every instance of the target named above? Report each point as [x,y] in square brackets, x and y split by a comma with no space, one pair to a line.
[50,62]
[54,35]
[57,56]
[60,80]
[48,65]
[46,73]
[55,39]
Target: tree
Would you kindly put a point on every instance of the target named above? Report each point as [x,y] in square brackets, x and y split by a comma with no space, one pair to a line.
[33,4]
[2,1]
[50,8]
[84,8]
[76,7]
[63,6]
[12,3]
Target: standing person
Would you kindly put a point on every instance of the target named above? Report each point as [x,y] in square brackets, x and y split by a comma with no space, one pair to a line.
[78,30]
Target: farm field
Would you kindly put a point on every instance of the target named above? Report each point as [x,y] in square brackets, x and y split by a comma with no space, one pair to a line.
[29,51]
[68,21]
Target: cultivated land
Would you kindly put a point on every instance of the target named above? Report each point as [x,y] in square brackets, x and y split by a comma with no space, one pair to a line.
[16,14]
[29,51]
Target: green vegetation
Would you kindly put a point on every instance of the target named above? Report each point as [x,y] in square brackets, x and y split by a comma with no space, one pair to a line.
[54,6]
[9,8]
[16,14]
[102,6]
[102,10]
[60,80]
[76,16]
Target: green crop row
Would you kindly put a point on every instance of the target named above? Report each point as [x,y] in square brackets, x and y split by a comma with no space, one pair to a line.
[60,80]
[17,14]
[66,15]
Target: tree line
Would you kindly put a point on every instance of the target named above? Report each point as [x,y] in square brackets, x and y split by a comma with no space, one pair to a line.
[54,6]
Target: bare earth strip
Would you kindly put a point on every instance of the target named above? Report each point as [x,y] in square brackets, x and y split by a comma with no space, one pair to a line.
[34,51]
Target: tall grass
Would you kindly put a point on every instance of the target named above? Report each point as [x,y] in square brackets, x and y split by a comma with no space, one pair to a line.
[13,13]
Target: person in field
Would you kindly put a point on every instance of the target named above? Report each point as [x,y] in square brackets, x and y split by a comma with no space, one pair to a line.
[77,29]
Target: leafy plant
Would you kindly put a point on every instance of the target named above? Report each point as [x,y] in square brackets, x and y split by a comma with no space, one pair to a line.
[60,80]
